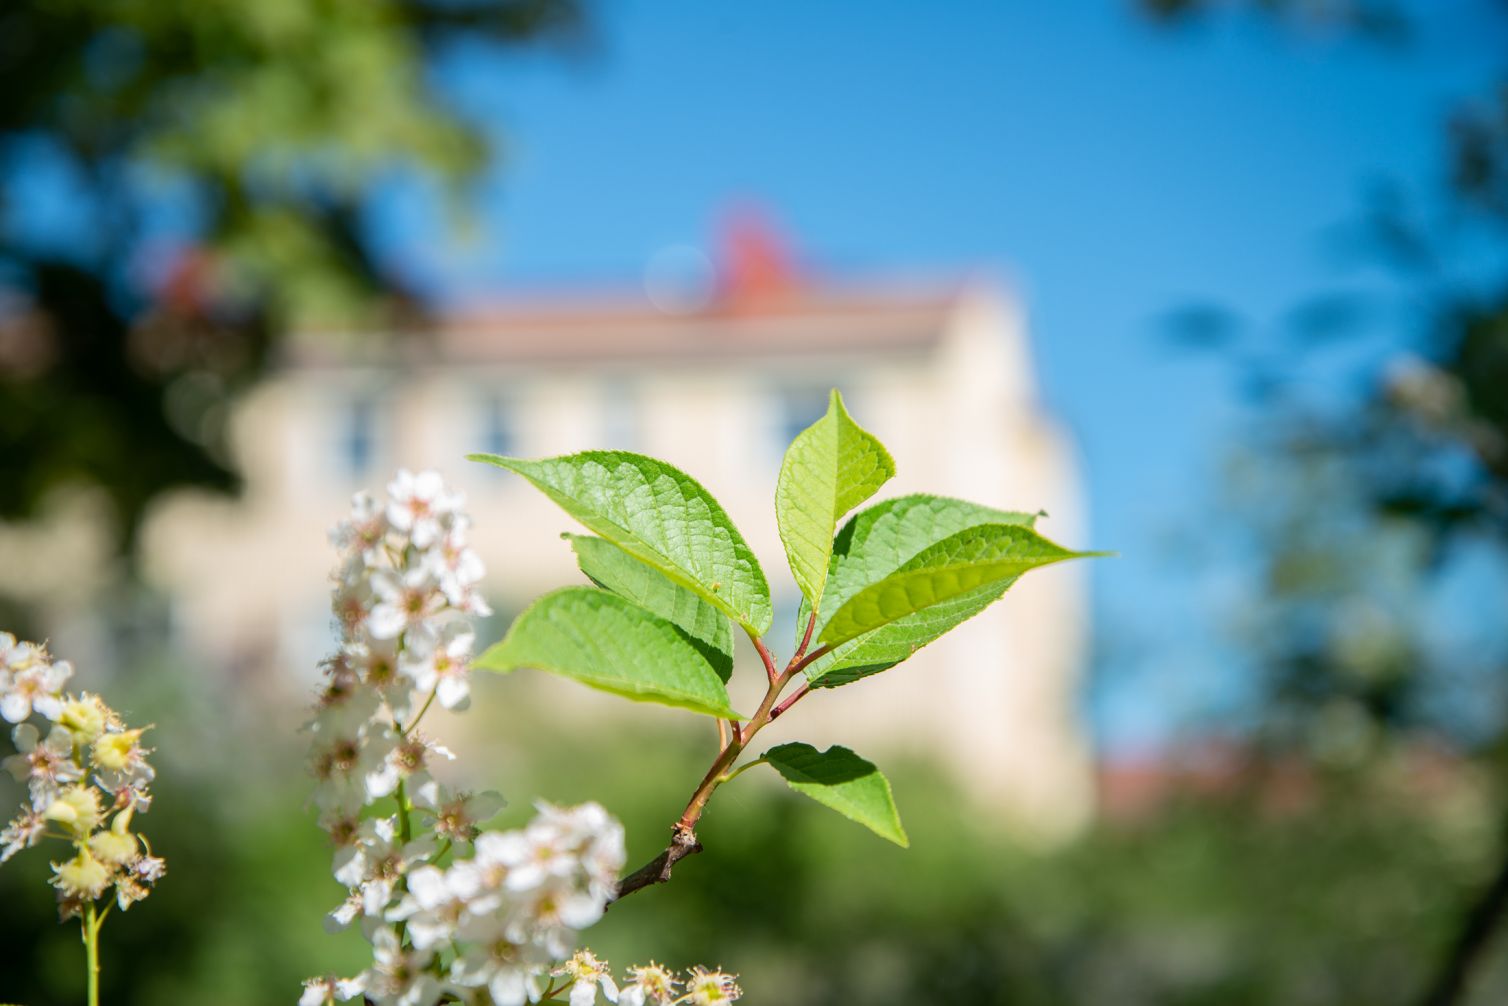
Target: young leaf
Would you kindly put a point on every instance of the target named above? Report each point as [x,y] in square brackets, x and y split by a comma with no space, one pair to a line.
[660,515]
[610,567]
[970,559]
[891,644]
[879,539]
[611,644]
[831,467]
[840,779]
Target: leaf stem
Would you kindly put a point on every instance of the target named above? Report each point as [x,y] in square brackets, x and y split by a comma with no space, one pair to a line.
[764,654]
[730,776]
[798,666]
[806,637]
[790,700]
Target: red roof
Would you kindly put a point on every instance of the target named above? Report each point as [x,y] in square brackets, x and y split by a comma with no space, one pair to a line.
[794,322]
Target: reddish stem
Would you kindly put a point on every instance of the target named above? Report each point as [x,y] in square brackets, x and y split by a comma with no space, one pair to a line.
[764,654]
[791,701]
[811,623]
[800,665]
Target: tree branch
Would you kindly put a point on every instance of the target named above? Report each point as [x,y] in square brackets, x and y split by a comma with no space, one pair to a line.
[683,843]
[1477,927]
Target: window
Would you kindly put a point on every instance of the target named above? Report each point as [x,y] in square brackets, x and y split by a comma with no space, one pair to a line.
[620,415]
[358,437]
[798,407]
[499,427]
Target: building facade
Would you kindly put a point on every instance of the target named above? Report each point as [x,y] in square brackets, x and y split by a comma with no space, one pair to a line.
[942,376]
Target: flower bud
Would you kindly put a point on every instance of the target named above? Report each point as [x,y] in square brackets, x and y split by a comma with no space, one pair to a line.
[85,717]
[113,751]
[83,876]
[77,809]
[117,848]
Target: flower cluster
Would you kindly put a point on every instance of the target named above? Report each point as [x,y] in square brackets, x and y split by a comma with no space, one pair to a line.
[646,985]
[453,913]
[86,778]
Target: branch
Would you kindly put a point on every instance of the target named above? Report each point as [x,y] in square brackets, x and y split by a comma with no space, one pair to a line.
[1477,927]
[683,840]
[683,843]
[800,665]
[795,697]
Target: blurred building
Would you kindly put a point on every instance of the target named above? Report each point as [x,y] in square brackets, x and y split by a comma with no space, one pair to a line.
[942,375]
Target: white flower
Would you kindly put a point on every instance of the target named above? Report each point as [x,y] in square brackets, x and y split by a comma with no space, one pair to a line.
[34,684]
[403,759]
[377,664]
[362,533]
[418,504]
[24,832]
[45,765]
[120,761]
[340,761]
[651,983]
[343,704]
[405,601]
[507,968]
[397,976]
[454,564]
[710,988]
[378,858]
[353,599]
[441,662]
[434,905]
[587,975]
[457,815]
[345,913]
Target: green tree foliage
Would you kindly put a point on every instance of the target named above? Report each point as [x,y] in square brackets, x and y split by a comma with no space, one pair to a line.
[1375,514]
[268,128]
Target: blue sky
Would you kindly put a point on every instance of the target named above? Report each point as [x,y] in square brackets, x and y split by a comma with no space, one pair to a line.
[1109,170]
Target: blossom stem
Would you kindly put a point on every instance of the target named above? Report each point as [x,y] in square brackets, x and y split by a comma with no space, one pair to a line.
[405,731]
[91,924]
[405,829]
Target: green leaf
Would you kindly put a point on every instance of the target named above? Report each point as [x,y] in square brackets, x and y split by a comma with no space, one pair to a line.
[610,567]
[891,644]
[875,543]
[961,563]
[831,467]
[660,515]
[611,644]
[840,779]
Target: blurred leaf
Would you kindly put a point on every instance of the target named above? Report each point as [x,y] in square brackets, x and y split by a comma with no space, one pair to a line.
[1202,326]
